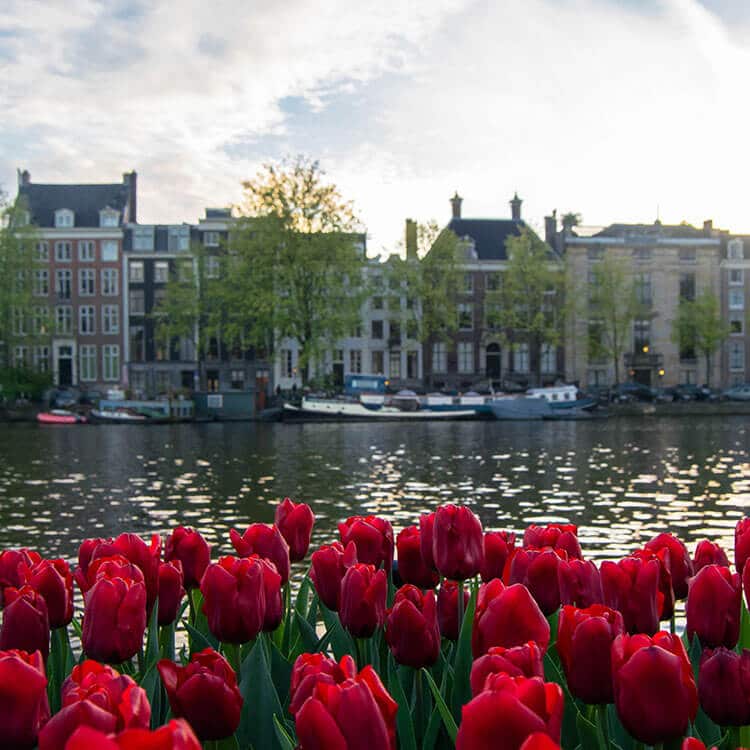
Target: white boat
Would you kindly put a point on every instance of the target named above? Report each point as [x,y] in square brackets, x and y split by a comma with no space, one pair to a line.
[118,416]
[369,410]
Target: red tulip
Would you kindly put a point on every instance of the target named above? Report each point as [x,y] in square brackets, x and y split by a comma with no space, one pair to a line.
[272,588]
[426,529]
[680,564]
[746,583]
[171,591]
[114,615]
[584,642]
[508,711]
[713,607]
[24,708]
[519,661]
[556,535]
[411,628]
[96,696]
[25,621]
[538,571]
[176,735]
[411,565]
[741,543]
[205,693]
[709,553]
[666,589]
[580,583]
[264,541]
[189,547]
[447,609]
[133,548]
[363,594]
[328,566]
[14,565]
[655,693]
[295,522]
[631,586]
[309,669]
[507,616]
[540,741]
[497,547]
[457,542]
[693,743]
[724,686]
[234,598]
[54,581]
[373,538]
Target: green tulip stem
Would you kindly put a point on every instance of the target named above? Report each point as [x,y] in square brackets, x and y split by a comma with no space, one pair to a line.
[191,605]
[232,654]
[659,746]
[460,605]
[672,624]
[361,646]
[419,704]
[603,722]
[733,733]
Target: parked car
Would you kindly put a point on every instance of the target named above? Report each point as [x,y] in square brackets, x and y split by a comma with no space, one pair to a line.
[625,392]
[665,395]
[64,398]
[738,392]
[693,392]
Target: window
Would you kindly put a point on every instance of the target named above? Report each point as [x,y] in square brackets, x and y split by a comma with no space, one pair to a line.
[211,239]
[493,313]
[213,267]
[376,329]
[736,299]
[687,286]
[596,341]
[439,357]
[394,336]
[465,316]
[641,335]
[394,364]
[19,323]
[595,254]
[377,303]
[376,362]
[642,284]
[642,254]
[63,218]
[64,320]
[687,377]
[286,363]
[135,271]
[521,358]
[63,252]
[137,302]
[109,217]
[597,377]
[86,283]
[110,282]
[357,331]
[41,358]
[736,277]
[87,362]
[19,356]
[185,270]
[161,272]
[160,296]
[143,238]
[109,250]
[178,238]
[468,283]
[40,320]
[735,249]
[63,282]
[110,319]
[412,330]
[86,251]
[736,324]
[355,360]
[137,344]
[493,281]
[549,358]
[687,255]
[736,355]
[111,361]
[412,364]
[237,380]
[40,286]
[42,251]
[465,356]
[86,320]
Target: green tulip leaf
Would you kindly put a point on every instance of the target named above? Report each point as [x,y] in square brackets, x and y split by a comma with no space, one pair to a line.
[199,641]
[448,720]
[587,733]
[281,673]
[308,636]
[404,722]
[152,639]
[285,741]
[744,641]
[463,661]
[341,641]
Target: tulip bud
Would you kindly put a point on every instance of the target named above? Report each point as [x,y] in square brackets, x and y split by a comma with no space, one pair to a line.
[264,541]
[709,553]
[497,548]
[741,544]
[538,571]
[373,538]
[518,661]
[309,669]
[411,628]
[14,564]
[680,564]
[328,566]
[171,591]
[580,583]
[192,550]
[25,621]
[713,607]
[631,586]
[295,522]
[426,529]
[556,535]
[457,542]
[724,686]
[363,594]
[411,566]
[447,609]
[24,708]
[176,735]
[272,588]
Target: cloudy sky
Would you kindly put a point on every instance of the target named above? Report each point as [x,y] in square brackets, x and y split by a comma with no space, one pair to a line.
[610,108]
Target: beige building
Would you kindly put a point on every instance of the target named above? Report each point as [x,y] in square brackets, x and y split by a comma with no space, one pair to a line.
[667,263]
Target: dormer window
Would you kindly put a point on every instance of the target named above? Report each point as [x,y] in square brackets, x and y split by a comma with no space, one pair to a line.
[735,249]
[109,217]
[63,218]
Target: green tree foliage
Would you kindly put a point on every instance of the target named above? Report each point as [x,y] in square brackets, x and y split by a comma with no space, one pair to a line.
[612,307]
[699,327]
[295,261]
[531,296]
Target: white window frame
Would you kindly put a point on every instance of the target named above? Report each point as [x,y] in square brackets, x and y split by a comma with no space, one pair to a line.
[110,319]
[109,217]
[87,356]
[737,299]
[86,275]
[64,320]
[63,274]
[161,269]
[64,218]
[213,267]
[111,362]
[439,357]
[739,275]
[41,358]
[143,238]
[109,251]
[211,239]
[465,353]
[110,281]
[87,320]
[142,294]
[286,362]
[736,356]
[355,361]
[377,369]
[135,271]
[41,282]
[466,307]
[42,251]
[86,251]
[549,359]
[521,357]
[63,251]
[735,249]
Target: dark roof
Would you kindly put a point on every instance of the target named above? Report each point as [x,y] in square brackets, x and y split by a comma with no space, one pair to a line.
[489,235]
[84,200]
[218,213]
[652,231]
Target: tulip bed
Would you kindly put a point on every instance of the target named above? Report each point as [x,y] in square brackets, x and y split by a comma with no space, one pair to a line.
[465,639]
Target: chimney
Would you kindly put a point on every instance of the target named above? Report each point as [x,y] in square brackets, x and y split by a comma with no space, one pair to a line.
[411,239]
[130,179]
[550,228]
[24,178]
[515,208]
[456,201]
[708,227]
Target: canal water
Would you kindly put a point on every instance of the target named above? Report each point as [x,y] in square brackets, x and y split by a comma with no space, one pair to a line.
[621,480]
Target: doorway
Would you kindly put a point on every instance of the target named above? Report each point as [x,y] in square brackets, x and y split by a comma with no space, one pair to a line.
[493,365]
[65,365]
[643,377]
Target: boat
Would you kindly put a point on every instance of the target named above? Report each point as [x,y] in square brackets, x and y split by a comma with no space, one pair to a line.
[371,409]
[60,416]
[562,397]
[520,406]
[121,415]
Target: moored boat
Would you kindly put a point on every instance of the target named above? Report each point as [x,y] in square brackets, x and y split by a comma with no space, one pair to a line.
[371,410]
[118,416]
[60,416]
[520,407]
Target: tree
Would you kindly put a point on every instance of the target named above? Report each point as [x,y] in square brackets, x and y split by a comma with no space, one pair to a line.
[531,299]
[612,307]
[295,262]
[699,327]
